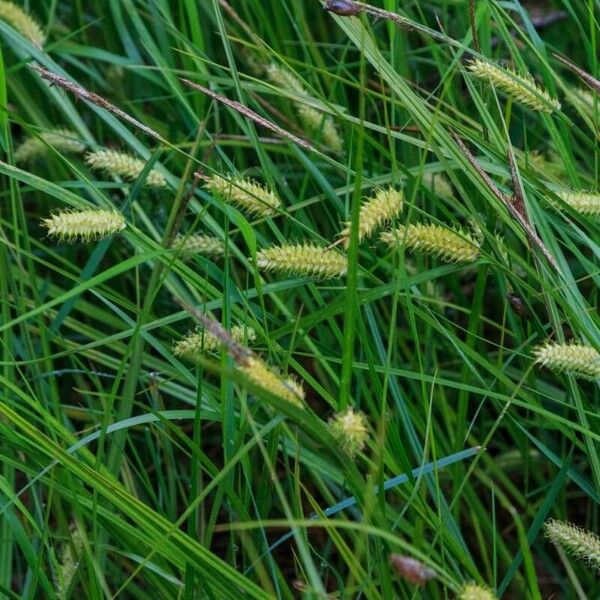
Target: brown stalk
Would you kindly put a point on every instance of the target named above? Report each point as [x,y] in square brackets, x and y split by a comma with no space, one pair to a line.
[591,81]
[88,96]
[250,114]
[514,208]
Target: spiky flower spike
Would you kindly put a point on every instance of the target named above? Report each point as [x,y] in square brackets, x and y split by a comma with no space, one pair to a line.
[246,193]
[374,213]
[578,542]
[313,120]
[201,340]
[577,359]
[123,165]
[84,225]
[303,259]
[69,562]
[198,243]
[260,374]
[472,591]
[450,245]
[350,429]
[585,203]
[522,88]
[63,140]
[19,20]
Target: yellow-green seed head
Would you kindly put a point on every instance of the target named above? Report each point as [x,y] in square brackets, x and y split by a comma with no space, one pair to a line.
[577,542]
[284,79]
[123,165]
[303,259]
[200,341]
[473,591]
[375,212]
[245,193]
[438,184]
[62,140]
[261,375]
[312,119]
[317,123]
[20,21]
[69,562]
[84,225]
[198,243]
[521,88]
[586,203]
[351,431]
[577,359]
[449,245]
[584,99]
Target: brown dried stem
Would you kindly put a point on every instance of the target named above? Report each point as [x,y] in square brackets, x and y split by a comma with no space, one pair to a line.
[513,209]
[250,114]
[93,98]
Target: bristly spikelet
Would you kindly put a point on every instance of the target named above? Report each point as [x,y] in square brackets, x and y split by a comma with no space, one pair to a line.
[450,245]
[62,140]
[438,184]
[200,340]
[350,430]
[84,225]
[303,259]
[522,88]
[584,99]
[69,563]
[473,591]
[260,374]
[313,120]
[586,203]
[246,193]
[123,165]
[198,243]
[578,542]
[19,20]
[577,359]
[375,212]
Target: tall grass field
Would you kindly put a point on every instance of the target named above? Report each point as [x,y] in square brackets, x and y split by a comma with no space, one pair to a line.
[299,299]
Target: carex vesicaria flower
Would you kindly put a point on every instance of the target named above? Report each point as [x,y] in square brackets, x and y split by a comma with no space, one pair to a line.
[123,165]
[450,245]
[375,212]
[84,225]
[575,358]
[576,541]
[303,259]
[245,193]
[521,88]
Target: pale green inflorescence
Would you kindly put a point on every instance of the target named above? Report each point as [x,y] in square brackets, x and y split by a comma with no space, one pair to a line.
[586,203]
[200,340]
[473,591]
[350,429]
[245,193]
[19,20]
[62,140]
[450,245]
[84,225]
[578,359]
[261,375]
[303,259]
[521,88]
[376,211]
[198,243]
[312,119]
[123,165]
[576,541]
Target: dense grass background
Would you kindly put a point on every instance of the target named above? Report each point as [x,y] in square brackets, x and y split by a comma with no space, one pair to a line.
[127,472]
